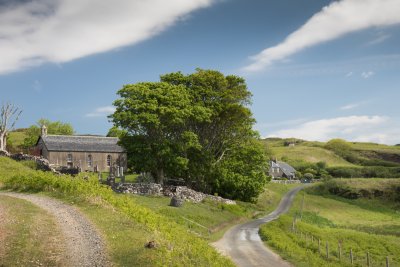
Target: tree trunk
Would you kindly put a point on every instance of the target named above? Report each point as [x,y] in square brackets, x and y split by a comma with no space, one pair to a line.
[160,175]
[2,141]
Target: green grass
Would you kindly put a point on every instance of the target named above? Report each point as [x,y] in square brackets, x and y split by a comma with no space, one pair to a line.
[29,236]
[176,246]
[128,222]
[362,225]
[17,138]
[310,154]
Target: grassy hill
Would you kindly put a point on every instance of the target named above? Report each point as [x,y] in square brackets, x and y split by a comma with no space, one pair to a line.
[127,222]
[351,160]
[361,215]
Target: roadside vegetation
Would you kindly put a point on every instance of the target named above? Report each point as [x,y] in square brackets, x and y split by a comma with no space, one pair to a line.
[128,222]
[361,215]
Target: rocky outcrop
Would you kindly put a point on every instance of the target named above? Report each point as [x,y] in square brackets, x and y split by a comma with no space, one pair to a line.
[182,192]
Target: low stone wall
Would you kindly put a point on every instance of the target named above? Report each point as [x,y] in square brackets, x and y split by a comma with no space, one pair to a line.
[171,191]
[286,181]
[42,163]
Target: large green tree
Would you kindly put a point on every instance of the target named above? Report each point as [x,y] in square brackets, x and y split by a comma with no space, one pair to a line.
[193,127]
[53,127]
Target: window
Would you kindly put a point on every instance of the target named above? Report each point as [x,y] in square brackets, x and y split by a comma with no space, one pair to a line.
[89,161]
[108,160]
[69,161]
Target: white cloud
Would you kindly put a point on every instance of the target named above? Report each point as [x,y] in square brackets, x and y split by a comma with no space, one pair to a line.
[367,74]
[380,39]
[333,21]
[101,112]
[58,31]
[350,106]
[379,129]
[349,74]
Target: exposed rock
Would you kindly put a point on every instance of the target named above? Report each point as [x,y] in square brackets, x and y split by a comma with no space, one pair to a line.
[4,153]
[182,192]
[151,244]
[176,201]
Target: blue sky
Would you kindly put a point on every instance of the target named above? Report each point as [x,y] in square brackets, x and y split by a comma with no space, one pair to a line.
[317,69]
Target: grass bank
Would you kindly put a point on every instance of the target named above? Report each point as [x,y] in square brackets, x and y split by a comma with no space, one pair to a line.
[363,225]
[28,235]
[175,245]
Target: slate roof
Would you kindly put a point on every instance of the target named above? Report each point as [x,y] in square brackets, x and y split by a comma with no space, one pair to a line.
[81,143]
[286,168]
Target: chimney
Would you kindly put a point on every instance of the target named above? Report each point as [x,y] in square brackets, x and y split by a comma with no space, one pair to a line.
[44,130]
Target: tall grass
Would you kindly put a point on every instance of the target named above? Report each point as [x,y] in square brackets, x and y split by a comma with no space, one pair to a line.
[177,247]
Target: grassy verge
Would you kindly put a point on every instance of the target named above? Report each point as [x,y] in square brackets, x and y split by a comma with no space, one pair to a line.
[361,225]
[176,246]
[28,235]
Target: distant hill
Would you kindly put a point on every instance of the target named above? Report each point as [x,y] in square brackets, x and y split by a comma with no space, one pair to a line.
[365,159]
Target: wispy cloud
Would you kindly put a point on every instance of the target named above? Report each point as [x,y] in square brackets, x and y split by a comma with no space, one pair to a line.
[377,129]
[350,106]
[367,74]
[380,39]
[333,21]
[57,31]
[349,74]
[101,112]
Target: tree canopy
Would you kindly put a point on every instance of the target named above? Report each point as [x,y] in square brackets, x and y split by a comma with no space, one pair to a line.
[53,127]
[197,127]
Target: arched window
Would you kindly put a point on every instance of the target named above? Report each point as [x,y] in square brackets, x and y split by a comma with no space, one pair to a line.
[89,160]
[108,160]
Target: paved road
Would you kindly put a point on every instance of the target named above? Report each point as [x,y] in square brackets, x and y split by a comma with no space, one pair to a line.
[84,246]
[243,244]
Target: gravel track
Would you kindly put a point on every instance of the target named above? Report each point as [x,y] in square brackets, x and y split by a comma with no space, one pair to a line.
[84,246]
[243,244]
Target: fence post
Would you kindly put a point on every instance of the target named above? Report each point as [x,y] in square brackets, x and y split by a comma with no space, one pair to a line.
[387,261]
[319,246]
[302,206]
[327,250]
[351,256]
[340,251]
[368,260]
[312,239]
[306,239]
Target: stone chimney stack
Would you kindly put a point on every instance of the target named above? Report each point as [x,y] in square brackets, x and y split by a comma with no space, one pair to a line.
[44,130]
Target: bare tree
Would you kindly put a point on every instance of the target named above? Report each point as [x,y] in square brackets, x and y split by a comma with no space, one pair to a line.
[9,115]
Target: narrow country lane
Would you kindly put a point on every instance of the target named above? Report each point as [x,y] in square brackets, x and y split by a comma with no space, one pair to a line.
[243,244]
[84,246]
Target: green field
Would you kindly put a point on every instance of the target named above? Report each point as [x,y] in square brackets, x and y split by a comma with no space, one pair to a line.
[128,222]
[364,225]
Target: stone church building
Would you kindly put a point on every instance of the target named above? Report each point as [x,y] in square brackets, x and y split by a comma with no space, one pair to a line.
[90,153]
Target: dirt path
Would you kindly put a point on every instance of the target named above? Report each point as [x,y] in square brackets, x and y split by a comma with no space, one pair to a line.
[84,246]
[243,244]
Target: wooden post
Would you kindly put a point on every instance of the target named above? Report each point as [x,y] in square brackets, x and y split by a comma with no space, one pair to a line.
[319,246]
[351,256]
[312,239]
[368,260]
[302,207]
[327,250]
[387,261]
[340,251]
[306,239]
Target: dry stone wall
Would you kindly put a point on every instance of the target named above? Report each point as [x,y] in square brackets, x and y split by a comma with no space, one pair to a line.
[182,192]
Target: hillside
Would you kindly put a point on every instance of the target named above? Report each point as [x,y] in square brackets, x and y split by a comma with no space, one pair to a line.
[182,235]
[339,157]
[357,215]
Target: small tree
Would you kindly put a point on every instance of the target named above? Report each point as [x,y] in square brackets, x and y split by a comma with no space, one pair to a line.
[8,117]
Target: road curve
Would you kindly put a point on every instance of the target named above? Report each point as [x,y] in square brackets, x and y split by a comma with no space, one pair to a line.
[83,245]
[243,244]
